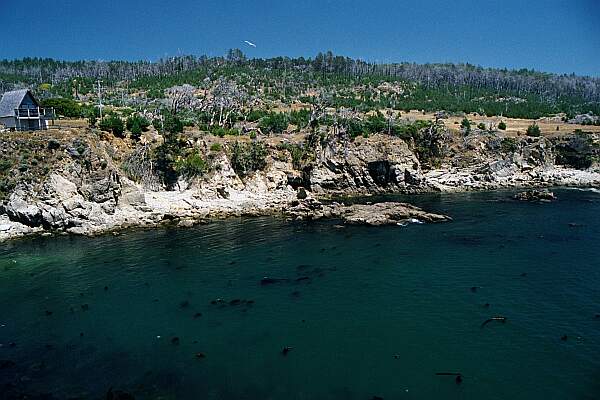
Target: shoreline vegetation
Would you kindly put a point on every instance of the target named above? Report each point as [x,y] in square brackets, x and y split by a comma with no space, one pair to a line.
[188,139]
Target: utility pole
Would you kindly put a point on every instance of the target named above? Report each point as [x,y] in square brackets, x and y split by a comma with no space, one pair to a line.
[100,98]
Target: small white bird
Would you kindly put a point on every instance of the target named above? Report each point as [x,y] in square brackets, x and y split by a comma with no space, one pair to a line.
[249,43]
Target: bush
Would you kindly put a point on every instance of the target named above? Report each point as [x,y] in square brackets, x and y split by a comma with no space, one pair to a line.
[191,166]
[508,145]
[138,120]
[255,115]
[165,157]
[64,107]
[354,127]
[274,123]
[376,123]
[157,124]
[136,130]
[299,153]
[114,124]
[300,118]
[172,124]
[409,131]
[92,118]
[481,126]
[5,165]
[248,157]
[221,131]
[465,125]
[502,126]
[534,130]
[216,147]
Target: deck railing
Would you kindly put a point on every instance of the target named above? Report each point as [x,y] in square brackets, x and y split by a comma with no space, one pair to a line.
[33,113]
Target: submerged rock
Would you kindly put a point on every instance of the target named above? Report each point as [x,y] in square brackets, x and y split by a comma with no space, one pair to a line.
[269,281]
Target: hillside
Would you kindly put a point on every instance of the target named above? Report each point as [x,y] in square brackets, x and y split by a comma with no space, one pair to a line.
[327,80]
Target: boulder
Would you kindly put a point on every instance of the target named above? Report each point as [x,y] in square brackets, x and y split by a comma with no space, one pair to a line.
[131,195]
[535,195]
[21,210]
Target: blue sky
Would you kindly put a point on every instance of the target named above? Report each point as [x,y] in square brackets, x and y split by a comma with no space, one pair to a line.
[548,35]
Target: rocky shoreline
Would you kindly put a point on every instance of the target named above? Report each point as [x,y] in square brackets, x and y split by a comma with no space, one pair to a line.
[139,209]
[94,196]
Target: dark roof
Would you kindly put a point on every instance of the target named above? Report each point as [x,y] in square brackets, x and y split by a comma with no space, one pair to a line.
[12,100]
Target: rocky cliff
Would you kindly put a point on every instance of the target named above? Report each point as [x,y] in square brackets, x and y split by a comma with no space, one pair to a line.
[77,183]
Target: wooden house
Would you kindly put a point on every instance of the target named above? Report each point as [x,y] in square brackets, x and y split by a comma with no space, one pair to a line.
[21,111]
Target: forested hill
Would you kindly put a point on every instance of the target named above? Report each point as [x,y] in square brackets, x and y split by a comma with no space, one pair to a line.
[454,87]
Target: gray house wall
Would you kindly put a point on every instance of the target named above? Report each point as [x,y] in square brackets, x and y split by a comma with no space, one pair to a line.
[8,122]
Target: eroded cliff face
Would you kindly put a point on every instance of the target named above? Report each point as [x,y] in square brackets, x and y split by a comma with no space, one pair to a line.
[84,189]
[376,164]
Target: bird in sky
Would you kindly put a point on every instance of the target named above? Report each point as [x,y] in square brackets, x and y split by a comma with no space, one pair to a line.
[249,43]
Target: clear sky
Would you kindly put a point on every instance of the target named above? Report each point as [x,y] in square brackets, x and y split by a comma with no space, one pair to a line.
[548,35]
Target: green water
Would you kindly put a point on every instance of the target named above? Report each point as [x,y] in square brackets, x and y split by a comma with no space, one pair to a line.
[378,312]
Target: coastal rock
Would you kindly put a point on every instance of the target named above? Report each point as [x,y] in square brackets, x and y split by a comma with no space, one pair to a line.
[131,195]
[102,188]
[388,213]
[367,164]
[19,209]
[88,193]
[535,195]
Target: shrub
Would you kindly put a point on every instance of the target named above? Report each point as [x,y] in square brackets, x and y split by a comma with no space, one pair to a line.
[248,157]
[274,122]
[299,153]
[354,127]
[255,115]
[481,126]
[221,131]
[53,144]
[216,147]
[165,157]
[136,130]
[5,165]
[157,124]
[502,126]
[64,107]
[409,131]
[534,130]
[375,123]
[465,125]
[92,115]
[300,118]
[172,124]
[509,145]
[136,119]
[114,124]
[191,166]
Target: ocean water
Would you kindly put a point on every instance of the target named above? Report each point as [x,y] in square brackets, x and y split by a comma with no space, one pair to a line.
[366,311]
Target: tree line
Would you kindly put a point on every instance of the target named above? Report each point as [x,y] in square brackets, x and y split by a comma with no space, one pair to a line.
[549,87]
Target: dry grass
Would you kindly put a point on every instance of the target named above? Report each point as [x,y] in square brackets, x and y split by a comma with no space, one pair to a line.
[514,126]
